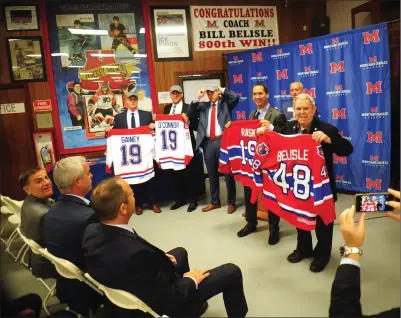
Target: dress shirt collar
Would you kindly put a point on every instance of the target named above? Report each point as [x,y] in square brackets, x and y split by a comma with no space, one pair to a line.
[123,226]
[79,197]
[129,112]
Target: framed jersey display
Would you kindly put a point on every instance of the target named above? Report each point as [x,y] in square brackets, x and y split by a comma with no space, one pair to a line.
[20,18]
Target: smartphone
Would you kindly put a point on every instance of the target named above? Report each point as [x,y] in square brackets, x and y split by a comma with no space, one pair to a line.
[373,202]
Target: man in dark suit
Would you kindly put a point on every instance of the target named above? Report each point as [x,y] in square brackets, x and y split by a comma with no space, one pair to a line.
[271,119]
[129,119]
[332,142]
[213,116]
[184,179]
[346,289]
[64,227]
[163,281]
[287,109]
[38,187]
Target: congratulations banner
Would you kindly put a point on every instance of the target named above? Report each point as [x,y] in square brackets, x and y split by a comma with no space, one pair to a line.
[222,28]
[348,74]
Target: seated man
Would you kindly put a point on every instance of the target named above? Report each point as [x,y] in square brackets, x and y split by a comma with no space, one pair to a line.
[64,227]
[118,257]
[346,290]
[38,187]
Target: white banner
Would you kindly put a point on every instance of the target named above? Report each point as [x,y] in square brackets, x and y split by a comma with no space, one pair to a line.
[234,28]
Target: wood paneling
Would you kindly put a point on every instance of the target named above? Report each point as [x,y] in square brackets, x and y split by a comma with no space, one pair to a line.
[291,21]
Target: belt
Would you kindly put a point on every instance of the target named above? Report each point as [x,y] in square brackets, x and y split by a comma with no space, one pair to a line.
[216,138]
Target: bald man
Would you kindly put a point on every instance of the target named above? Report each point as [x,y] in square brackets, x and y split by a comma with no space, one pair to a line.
[287,109]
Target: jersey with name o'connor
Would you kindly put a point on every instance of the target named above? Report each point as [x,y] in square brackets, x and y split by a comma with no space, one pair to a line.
[291,172]
[131,153]
[173,144]
[237,150]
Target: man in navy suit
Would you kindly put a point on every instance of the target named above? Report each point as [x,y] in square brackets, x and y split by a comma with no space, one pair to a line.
[213,116]
[287,109]
[64,227]
[133,118]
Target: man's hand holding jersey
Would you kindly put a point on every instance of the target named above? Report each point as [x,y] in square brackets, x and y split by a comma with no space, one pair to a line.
[320,136]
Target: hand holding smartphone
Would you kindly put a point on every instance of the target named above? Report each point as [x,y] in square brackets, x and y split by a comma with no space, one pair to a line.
[373,202]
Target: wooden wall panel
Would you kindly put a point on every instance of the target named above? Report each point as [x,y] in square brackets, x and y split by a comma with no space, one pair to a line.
[291,20]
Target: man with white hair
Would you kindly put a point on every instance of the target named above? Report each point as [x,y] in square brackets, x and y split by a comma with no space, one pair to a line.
[332,142]
[64,227]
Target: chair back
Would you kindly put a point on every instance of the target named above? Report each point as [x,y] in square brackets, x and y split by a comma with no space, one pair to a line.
[31,243]
[14,205]
[122,298]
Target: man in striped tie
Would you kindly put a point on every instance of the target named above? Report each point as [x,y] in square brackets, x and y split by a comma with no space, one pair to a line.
[213,116]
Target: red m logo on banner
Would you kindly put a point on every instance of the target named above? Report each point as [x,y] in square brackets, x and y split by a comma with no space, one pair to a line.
[305,49]
[257,57]
[339,87]
[308,68]
[334,41]
[370,184]
[374,158]
[311,92]
[339,113]
[282,74]
[279,51]
[334,68]
[367,37]
[237,79]
[377,137]
[373,59]
[377,88]
[241,115]
[338,159]
[374,109]
[283,92]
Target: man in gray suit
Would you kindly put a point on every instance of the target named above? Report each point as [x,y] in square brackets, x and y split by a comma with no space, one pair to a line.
[38,186]
[271,119]
[296,88]
[213,116]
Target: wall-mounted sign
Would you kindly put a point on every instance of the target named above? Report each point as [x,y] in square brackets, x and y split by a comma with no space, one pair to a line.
[12,108]
[234,27]
[44,120]
[42,105]
[164,98]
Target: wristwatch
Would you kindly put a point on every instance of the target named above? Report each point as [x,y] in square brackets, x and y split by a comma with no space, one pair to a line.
[346,250]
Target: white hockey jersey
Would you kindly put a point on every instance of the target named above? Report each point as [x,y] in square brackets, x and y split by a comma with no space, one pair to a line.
[131,153]
[173,142]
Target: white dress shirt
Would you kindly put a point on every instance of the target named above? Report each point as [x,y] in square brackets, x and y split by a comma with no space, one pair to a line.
[262,114]
[350,261]
[136,116]
[176,108]
[82,198]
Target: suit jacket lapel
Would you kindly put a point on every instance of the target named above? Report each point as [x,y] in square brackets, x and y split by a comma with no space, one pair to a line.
[269,113]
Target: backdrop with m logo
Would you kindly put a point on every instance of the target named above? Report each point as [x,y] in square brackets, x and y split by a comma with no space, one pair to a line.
[348,74]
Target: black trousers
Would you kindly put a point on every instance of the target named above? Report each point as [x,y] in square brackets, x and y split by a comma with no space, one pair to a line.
[144,193]
[251,212]
[226,279]
[76,122]
[185,183]
[324,235]
[211,152]
[11,307]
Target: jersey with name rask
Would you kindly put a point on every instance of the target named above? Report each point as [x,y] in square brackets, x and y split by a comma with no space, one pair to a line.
[173,142]
[131,153]
[237,150]
[291,172]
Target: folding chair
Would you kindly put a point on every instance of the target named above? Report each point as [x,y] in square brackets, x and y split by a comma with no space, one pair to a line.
[35,248]
[123,298]
[10,206]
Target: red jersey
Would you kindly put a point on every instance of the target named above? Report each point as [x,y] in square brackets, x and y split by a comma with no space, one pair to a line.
[292,173]
[237,150]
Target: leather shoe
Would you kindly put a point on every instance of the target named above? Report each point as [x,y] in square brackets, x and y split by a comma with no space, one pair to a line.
[231,208]
[192,207]
[138,210]
[248,229]
[318,266]
[211,207]
[274,237]
[297,256]
[156,209]
[176,205]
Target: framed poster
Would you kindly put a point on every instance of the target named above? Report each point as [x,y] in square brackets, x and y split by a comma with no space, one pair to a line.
[26,59]
[44,149]
[21,18]
[171,33]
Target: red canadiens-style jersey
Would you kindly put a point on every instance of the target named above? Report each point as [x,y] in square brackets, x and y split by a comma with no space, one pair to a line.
[173,144]
[237,150]
[291,172]
[131,152]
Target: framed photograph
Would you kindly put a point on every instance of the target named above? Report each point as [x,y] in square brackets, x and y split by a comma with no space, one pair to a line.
[44,149]
[171,33]
[21,18]
[26,59]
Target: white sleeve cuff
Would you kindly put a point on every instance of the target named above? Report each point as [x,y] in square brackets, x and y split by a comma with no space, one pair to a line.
[196,284]
[271,127]
[223,89]
[350,261]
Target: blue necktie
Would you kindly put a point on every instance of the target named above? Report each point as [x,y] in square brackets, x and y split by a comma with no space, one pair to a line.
[133,121]
[257,114]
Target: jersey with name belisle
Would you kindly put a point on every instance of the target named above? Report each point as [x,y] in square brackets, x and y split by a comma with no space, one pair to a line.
[237,150]
[173,142]
[131,153]
[291,172]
